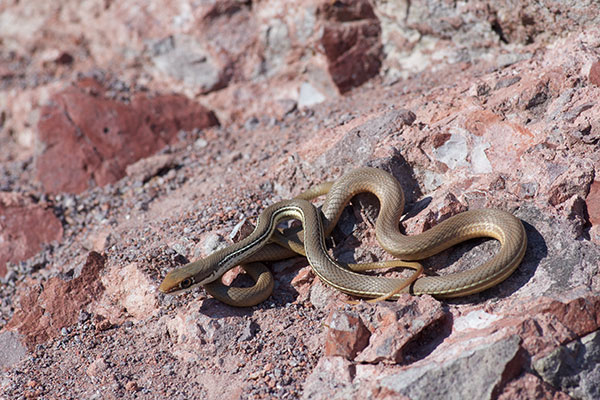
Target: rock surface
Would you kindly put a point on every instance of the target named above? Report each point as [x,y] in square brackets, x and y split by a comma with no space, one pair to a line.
[139,135]
[574,367]
[486,369]
[25,226]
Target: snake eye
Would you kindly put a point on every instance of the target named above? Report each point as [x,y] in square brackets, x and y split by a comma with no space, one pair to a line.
[186,283]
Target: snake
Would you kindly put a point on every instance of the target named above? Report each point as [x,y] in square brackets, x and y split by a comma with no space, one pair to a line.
[317,224]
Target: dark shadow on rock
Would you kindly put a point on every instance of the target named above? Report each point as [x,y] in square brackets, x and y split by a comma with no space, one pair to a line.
[536,252]
[415,208]
[213,308]
[428,340]
[397,165]
[403,172]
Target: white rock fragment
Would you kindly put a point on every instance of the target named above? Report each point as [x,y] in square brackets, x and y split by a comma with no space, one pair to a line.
[454,152]
[309,96]
[479,161]
[477,319]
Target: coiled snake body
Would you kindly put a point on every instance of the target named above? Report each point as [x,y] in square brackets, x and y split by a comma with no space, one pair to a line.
[497,224]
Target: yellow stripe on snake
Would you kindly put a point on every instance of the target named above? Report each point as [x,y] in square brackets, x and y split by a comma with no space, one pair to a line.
[266,243]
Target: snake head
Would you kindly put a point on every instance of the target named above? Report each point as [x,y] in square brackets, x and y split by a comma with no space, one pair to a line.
[190,275]
[173,284]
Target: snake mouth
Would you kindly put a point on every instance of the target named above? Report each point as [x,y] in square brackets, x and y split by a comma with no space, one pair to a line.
[174,284]
[167,286]
[172,287]
[210,278]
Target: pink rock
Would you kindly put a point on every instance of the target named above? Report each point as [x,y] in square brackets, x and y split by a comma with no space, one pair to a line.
[24,228]
[304,277]
[575,181]
[12,350]
[146,168]
[301,282]
[448,207]
[347,334]
[329,376]
[97,367]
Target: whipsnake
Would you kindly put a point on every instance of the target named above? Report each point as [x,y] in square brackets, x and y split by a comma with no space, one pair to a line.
[497,224]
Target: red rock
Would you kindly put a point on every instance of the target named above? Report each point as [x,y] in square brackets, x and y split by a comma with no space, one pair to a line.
[103,135]
[593,203]
[595,73]
[347,334]
[352,43]
[24,227]
[439,139]
[103,325]
[581,316]
[45,310]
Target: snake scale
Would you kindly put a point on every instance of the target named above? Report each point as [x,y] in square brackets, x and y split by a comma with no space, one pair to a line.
[261,245]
